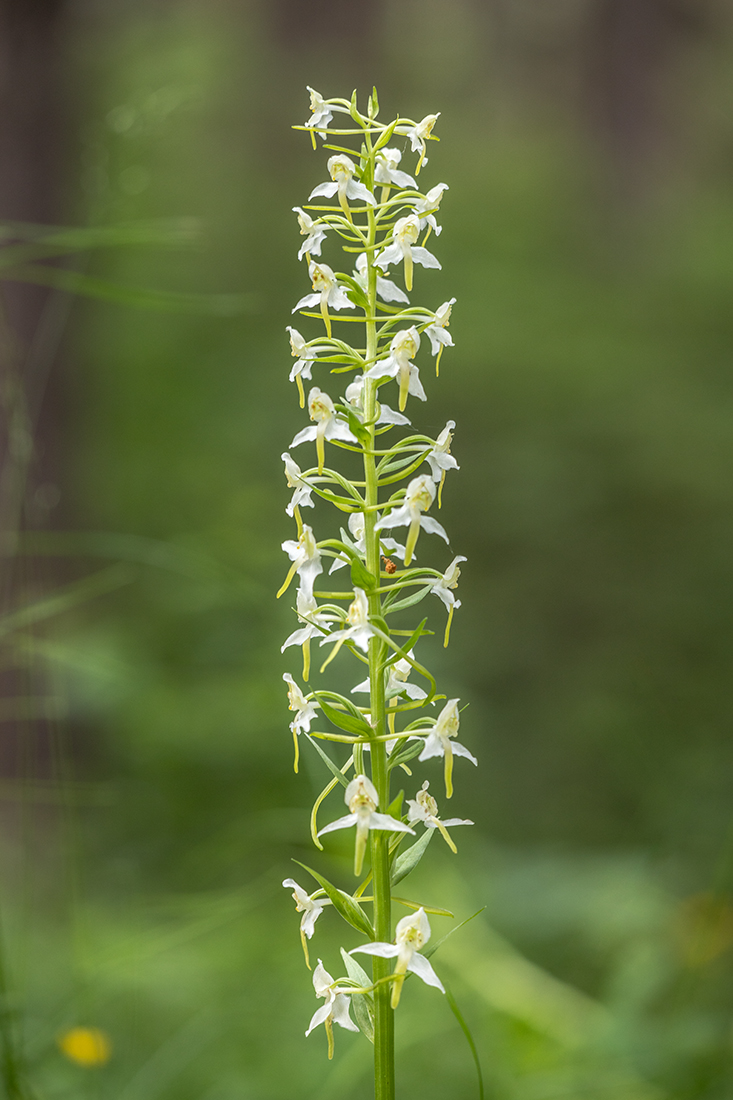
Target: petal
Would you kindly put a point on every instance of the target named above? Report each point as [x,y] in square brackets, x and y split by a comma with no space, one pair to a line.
[307,302]
[356,190]
[363,686]
[425,258]
[319,1017]
[391,255]
[325,189]
[461,750]
[433,747]
[340,823]
[390,292]
[340,1012]
[433,527]
[384,950]
[455,821]
[419,965]
[384,821]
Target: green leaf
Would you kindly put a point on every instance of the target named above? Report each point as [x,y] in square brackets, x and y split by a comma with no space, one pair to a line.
[328,762]
[350,910]
[346,722]
[361,577]
[386,137]
[409,751]
[409,860]
[469,1038]
[353,110]
[374,104]
[358,428]
[410,601]
[362,1003]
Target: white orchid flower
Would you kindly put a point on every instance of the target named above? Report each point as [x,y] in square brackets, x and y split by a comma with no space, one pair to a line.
[305,712]
[328,293]
[305,357]
[317,625]
[444,587]
[362,799]
[437,332]
[411,934]
[306,559]
[418,135]
[424,808]
[341,169]
[386,289]
[322,114]
[301,497]
[439,743]
[310,907]
[355,398]
[336,1008]
[387,173]
[359,630]
[419,496]
[404,248]
[357,528]
[440,458]
[398,364]
[327,425]
[425,208]
[313,231]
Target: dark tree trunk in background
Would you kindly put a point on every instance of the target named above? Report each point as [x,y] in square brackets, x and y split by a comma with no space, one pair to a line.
[31,137]
[630,47]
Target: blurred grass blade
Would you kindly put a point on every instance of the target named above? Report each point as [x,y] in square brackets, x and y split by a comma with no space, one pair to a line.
[170,301]
[469,1037]
[49,241]
[328,762]
[431,950]
[107,580]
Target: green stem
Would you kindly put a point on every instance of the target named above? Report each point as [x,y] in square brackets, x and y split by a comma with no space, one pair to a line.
[384,1077]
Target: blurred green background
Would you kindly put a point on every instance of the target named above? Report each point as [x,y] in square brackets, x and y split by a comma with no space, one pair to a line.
[149,806]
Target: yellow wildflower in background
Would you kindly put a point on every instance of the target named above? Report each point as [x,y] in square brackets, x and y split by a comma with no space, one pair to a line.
[87,1046]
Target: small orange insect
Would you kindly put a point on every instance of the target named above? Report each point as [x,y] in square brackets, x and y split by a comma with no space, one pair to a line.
[389,566]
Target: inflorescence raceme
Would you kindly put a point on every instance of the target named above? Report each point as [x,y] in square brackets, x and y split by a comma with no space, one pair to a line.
[383,222]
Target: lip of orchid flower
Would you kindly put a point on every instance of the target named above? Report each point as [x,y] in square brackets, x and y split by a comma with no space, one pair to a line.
[336,1008]
[423,807]
[327,293]
[419,496]
[327,425]
[399,365]
[362,799]
[442,589]
[439,743]
[411,933]
[405,249]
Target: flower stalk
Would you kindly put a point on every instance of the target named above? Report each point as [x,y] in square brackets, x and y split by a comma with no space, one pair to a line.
[381,228]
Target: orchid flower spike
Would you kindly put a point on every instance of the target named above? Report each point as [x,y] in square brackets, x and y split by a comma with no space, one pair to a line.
[362,799]
[411,934]
[398,365]
[419,496]
[418,135]
[355,398]
[437,332]
[306,559]
[327,426]
[439,743]
[440,459]
[302,495]
[313,231]
[322,114]
[342,169]
[305,712]
[358,631]
[404,248]
[336,1008]
[328,293]
[425,208]
[386,289]
[444,587]
[424,808]
[310,907]
[386,171]
[317,625]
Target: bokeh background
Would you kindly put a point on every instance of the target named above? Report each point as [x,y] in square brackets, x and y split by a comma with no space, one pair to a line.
[149,809]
